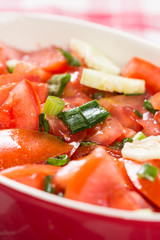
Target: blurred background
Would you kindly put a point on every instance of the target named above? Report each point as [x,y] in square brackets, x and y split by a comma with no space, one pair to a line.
[140,17]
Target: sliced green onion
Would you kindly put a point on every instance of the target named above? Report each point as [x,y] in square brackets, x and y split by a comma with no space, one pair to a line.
[59,161]
[98,95]
[139,136]
[11,64]
[138,113]
[72,61]
[148,106]
[148,172]
[83,117]
[134,94]
[74,119]
[48,184]
[87,144]
[43,123]
[119,145]
[53,106]
[127,140]
[93,113]
[116,145]
[57,84]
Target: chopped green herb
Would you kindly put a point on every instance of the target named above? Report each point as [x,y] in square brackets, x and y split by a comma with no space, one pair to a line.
[83,117]
[148,106]
[98,95]
[57,84]
[43,123]
[127,140]
[53,105]
[88,144]
[148,172]
[59,161]
[138,136]
[116,145]
[11,64]
[134,94]
[119,145]
[48,184]
[72,61]
[138,113]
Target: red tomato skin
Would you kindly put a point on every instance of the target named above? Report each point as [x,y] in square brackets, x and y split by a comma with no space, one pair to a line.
[109,131]
[144,186]
[124,114]
[21,146]
[21,109]
[5,90]
[32,175]
[155,101]
[139,68]
[42,91]
[49,59]
[60,129]
[74,86]
[150,127]
[101,187]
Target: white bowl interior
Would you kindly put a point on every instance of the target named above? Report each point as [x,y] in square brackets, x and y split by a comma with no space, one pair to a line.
[28,32]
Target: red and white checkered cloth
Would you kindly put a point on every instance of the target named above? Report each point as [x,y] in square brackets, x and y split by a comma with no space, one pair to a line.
[141,17]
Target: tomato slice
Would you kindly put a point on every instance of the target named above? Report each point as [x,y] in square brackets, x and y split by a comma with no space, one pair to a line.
[98,181]
[109,131]
[76,101]
[49,59]
[147,188]
[21,109]
[155,101]
[30,174]
[41,90]
[60,129]
[74,86]
[150,127]
[31,72]
[5,90]
[83,151]
[25,71]
[21,146]
[139,68]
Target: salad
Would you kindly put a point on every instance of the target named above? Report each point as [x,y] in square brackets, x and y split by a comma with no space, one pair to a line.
[73,124]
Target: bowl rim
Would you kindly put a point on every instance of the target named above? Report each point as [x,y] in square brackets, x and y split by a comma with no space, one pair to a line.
[138,215]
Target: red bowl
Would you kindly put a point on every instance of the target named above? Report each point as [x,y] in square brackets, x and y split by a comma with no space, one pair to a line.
[26,213]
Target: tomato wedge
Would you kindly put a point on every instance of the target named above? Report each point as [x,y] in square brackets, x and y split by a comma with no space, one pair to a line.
[21,109]
[123,113]
[20,146]
[30,174]
[109,131]
[155,101]
[139,68]
[147,188]
[49,59]
[99,182]
[150,127]
[40,88]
